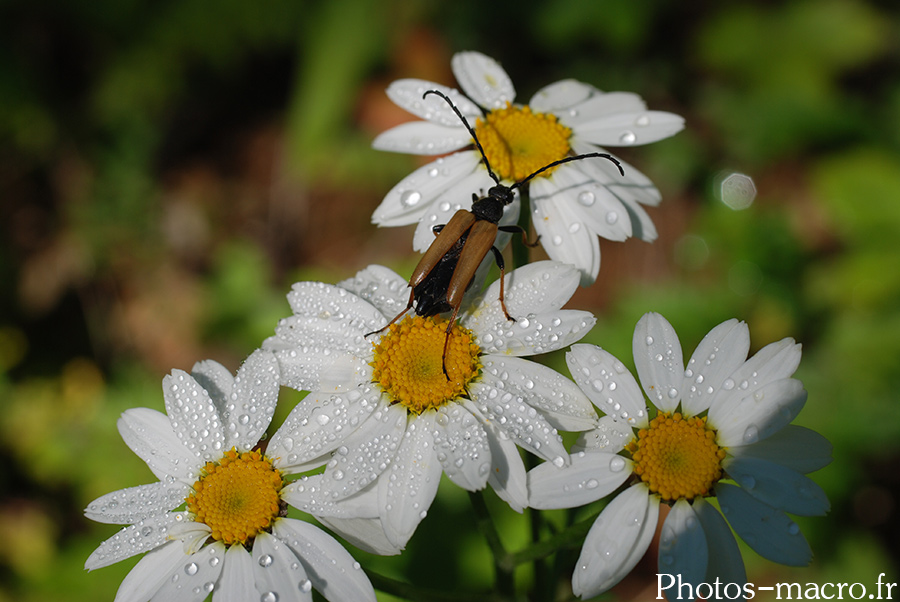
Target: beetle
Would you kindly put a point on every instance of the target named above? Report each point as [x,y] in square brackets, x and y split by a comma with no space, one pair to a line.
[447,268]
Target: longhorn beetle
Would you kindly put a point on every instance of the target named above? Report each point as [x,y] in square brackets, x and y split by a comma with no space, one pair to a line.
[448,267]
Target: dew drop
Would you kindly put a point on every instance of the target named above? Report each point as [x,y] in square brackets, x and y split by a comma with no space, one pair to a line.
[672,393]
[649,340]
[612,217]
[305,586]
[191,569]
[587,198]
[269,597]
[627,137]
[265,560]
[410,198]
[557,240]
[642,121]
[751,434]
[616,464]
[559,461]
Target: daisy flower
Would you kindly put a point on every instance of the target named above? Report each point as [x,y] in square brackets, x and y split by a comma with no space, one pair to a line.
[572,204]
[722,430]
[386,418]
[232,539]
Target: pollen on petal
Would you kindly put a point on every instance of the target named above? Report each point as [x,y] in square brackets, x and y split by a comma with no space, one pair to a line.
[411,367]
[519,142]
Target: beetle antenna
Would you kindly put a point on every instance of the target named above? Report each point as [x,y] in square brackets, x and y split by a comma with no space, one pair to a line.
[469,128]
[566,160]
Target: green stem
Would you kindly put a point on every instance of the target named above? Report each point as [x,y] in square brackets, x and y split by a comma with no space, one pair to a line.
[401,589]
[503,565]
[519,250]
[571,537]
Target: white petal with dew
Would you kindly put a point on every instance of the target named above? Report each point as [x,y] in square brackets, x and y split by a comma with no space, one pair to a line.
[633,187]
[193,416]
[616,542]
[461,446]
[277,573]
[133,504]
[365,453]
[659,362]
[236,582]
[367,534]
[538,287]
[631,129]
[319,423]
[610,436]
[410,95]
[589,477]
[778,486]
[601,105]
[215,378]
[530,334]
[483,79]
[305,494]
[507,476]
[564,235]
[564,94]
[422,138]
[149,434]
[409,199]
[407,488]
[758,415]
[725,561]
[455,197]
[560,401]
[196,578]
[717,356]
[589,201]
[248,410]
[382,287]
[331,569]
[151,572]
[796,447]
[521,422]
[330,304]
[769,531]
[608,384]
[142,536]
[773,362]
[683,545]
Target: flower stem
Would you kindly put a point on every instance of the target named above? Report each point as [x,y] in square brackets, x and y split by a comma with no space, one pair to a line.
[519,250]
[401,589]
[571,537]
[503,564]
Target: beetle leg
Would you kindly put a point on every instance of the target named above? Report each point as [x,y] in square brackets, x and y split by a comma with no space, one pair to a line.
[447,340]
[498,257]
[515,228]
[397,317]
[437,229]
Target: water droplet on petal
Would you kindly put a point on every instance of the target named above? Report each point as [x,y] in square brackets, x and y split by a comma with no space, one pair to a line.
[627,138]
[191,569]
[587,198]
[265,560]
[410,198]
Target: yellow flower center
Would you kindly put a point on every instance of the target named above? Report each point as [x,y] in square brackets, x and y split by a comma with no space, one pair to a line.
[677,457]
[518,142]
[409,365]
[237,497]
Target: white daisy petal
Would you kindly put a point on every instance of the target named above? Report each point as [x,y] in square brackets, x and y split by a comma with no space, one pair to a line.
[215,378]
[683,545]
[770,532]
[633,187]
[409,485]
[151,573]
[796,447]
[564,94]
[384,288]
[331,569]
[538,287]
[149,434]
[364,454]
[248,410]
[557,397]
[778,486]
[631,129]
[407,202]
[193,416]
[616,542]
[319,423]
[717,356]
[483,79]
[773,362]
[146,534]
[518,420]
[563,234]
[757,415]
[608,384]
[610,436]
[462,447]
[236,583]
[277,572]
[305,494]
[507,477]
[422,138]
[133,504]
[533,334]
[196,578]
[590,202]
[334,306]
[367,534]
[586,479]
[409,94]
[601,105]
[441,210]
[659,362]
[725,561]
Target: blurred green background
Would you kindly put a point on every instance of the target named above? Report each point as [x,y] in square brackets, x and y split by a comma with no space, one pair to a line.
[169,168]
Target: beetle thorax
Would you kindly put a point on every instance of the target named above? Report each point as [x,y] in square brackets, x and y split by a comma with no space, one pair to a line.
[490,207]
